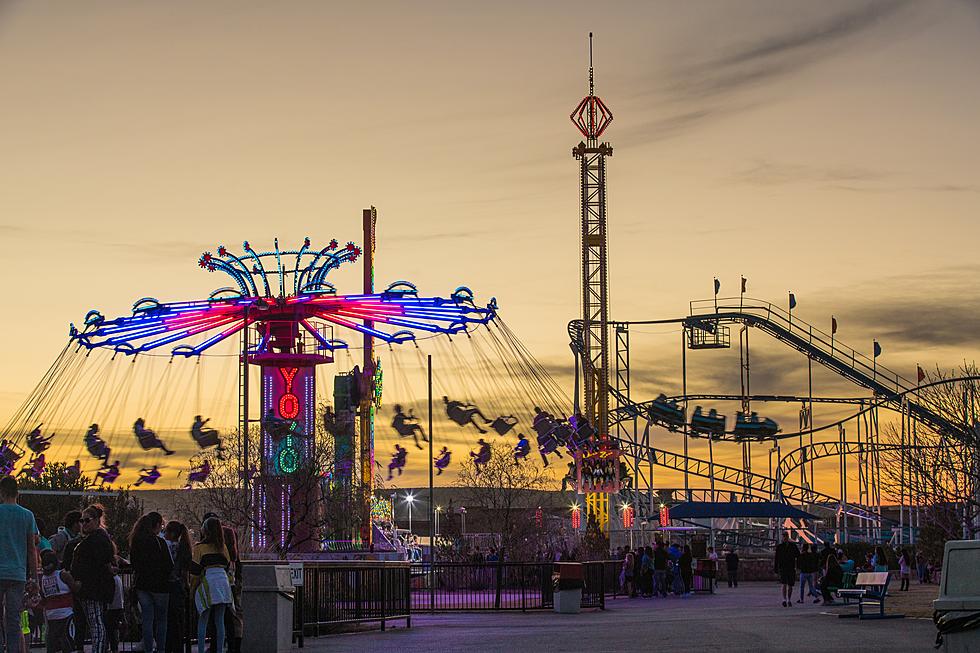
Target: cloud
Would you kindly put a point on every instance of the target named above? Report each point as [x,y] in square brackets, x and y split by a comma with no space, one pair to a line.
[706,90]
[937,309]
[770,173]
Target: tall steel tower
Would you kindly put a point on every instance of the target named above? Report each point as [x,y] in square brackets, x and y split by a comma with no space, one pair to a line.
[592,116]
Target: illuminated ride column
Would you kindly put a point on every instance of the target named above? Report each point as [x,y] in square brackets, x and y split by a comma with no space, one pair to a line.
[288,445]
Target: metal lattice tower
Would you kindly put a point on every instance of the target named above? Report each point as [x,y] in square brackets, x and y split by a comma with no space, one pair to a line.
[591,117]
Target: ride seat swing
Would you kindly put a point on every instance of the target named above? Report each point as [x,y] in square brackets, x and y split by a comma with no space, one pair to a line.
[147,438]
[398,460]
[34,467]
[198,474]
[109,474]
[522,449]
[149,476]
[503,424]
[481,457]
[407,425]
[443,460]
[463,414]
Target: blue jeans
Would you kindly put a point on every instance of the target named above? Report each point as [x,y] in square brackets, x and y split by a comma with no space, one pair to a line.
[660,582]
[153,611]
[218,610]
[808,579]
[11,604]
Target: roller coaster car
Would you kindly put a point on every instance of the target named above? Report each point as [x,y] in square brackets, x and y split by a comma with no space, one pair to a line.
[666,411]
[753,427]
[710,422]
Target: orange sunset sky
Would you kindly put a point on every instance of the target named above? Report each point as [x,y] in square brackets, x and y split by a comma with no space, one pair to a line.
[830,148]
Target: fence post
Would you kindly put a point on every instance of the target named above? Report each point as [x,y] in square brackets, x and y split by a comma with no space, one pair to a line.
[523,591]
[500,575]
[383,577]
[408,596]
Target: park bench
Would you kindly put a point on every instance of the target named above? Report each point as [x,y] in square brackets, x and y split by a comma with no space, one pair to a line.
[870,589]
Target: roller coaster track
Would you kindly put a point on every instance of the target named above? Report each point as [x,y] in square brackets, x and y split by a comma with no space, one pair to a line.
[819,346]
[817,450]
[759,484]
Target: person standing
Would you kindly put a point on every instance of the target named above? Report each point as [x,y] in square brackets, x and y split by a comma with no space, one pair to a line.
[18,560]
[807,563]
[234,623]
[713,558]
[91,565]
[73,535]
[70,530]
[626,575]
[660,569]
[57,587]
[904,570]
[785,567]
[179,544]
[731,566]
[211,590]
[686,562]
[920,567]
[152,565]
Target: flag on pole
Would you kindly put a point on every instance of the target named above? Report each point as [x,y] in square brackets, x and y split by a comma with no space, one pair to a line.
[792,301]
[920,373]
[744,281]
[877,349]
[833,325]
[717,285]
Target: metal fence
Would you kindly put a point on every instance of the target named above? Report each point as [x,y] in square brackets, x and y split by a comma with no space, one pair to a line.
[348,592]
[466,586]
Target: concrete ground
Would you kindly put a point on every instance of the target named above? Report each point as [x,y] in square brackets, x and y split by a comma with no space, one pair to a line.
[749,618]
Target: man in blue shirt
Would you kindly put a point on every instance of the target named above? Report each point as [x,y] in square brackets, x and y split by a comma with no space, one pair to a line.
[18,559]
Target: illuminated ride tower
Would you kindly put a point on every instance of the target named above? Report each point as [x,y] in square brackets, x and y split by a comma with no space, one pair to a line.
[287,311]
[592,117]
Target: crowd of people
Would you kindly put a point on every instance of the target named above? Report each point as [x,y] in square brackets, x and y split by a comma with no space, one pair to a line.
[75,577]
[658,570]
[821,572]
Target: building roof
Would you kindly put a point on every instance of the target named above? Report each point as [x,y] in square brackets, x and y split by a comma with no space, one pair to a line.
[764,509]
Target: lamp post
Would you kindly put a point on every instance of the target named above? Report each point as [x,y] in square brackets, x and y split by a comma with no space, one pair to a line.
[410,499]
[438,513]
[462,515]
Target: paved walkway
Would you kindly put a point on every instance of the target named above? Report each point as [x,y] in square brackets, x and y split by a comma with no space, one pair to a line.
[749,618]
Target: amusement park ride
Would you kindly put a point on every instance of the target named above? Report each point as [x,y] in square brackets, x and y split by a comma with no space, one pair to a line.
[284,312]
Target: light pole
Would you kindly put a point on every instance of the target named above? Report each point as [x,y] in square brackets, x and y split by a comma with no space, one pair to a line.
[438,513]
[410,499]
[394,506]
[462,515]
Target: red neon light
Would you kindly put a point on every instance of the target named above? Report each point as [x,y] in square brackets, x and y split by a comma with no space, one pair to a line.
[288,402]
[576,517]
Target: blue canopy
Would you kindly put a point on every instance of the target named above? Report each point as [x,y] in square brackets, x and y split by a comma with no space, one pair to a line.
[763,509]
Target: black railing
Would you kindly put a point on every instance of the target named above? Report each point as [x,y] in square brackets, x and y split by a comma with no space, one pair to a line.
[348,592]
[470,586]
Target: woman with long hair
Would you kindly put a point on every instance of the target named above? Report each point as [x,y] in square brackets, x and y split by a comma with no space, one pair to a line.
[211,589]
[179,544]
[92,563]
[151,570]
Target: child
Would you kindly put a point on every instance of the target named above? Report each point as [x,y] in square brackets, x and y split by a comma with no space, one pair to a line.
[57,587]
[114,614]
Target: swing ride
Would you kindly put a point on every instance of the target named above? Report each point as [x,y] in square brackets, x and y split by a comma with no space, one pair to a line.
[140,377]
